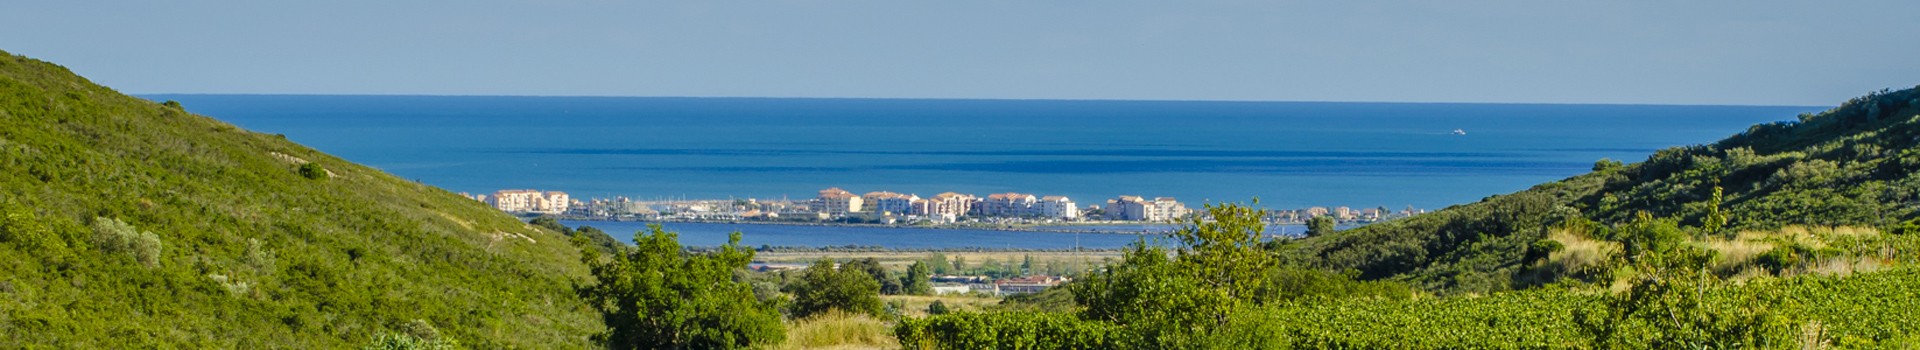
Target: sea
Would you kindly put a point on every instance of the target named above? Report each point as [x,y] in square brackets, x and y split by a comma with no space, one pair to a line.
[1285,155]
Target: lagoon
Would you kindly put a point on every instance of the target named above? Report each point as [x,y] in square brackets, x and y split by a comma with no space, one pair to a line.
[755,235]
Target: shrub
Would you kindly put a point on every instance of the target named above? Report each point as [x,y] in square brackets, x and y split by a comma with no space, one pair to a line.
[937,308]
[117,237]
[402,341]
[824,288]
[658,295]
[313,171]
[21,227]
[1007,330]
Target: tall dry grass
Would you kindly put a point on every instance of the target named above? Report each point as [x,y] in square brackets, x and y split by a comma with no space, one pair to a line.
[839,330]
[1735,255]
[916,305]
[1859,250]
[1579,252]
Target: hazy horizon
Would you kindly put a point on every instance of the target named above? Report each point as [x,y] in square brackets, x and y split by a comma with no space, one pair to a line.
[164,94]
[1625,52]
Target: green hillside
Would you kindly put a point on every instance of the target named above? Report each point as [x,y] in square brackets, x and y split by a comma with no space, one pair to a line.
[1856,165]
[126,223]
[1796,235]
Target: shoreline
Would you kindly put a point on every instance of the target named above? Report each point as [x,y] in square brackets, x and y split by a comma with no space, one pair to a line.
[1000,227]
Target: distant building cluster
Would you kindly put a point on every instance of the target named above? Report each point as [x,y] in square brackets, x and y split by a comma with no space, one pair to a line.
[528,201]
[1136,208]
[950,206]
[948,284]
[1343,214]
[887,207]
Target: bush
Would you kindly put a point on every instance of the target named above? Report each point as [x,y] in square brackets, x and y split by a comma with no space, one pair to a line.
[1007,330]
[401,341]
[657,295]
[21,227]
[116,237]
[313,171]
[938,308]
[824,288]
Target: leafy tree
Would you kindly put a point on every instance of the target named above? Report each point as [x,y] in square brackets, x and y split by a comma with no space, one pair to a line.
[1320,226]
[888,284]
[917,281]
[551,223]
[939,263]
[1026,265]
[1716,219]
[825,288]
[658,295]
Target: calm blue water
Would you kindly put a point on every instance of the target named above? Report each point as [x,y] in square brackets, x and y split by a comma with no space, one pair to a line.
[1288,154]
[1045,237]
[754,235]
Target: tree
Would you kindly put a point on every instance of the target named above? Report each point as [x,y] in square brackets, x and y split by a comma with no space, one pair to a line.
[939,263]
[658,295]
[1320,225]
[1716,219]
[1026,265]
[1221,267]
[825,288]
[550,223]
[916,282]
[871,266]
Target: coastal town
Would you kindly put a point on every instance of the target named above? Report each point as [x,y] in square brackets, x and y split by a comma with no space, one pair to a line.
[836,205]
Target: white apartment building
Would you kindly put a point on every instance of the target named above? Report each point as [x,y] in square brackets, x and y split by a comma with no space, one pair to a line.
[530,201]
[944,207]
[889,202]
[1057,207]
[838,202]
[1136,208]
[1007,204]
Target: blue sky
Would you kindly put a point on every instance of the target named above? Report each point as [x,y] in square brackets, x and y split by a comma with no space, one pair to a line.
[1658,52]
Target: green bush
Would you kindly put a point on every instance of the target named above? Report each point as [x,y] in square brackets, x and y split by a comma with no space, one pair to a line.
[116,237]
[402,341]
[1009,330]
[824,288]
[659,296]
[313,171]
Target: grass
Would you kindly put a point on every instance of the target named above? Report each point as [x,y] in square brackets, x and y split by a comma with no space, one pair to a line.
[839,330]
[1579,252]
[916,305]
[1737,253]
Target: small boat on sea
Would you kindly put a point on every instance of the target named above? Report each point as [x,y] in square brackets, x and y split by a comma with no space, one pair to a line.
[1459,132]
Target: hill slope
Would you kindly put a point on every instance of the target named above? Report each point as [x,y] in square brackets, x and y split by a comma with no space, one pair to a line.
[1854,165]
[132,224]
